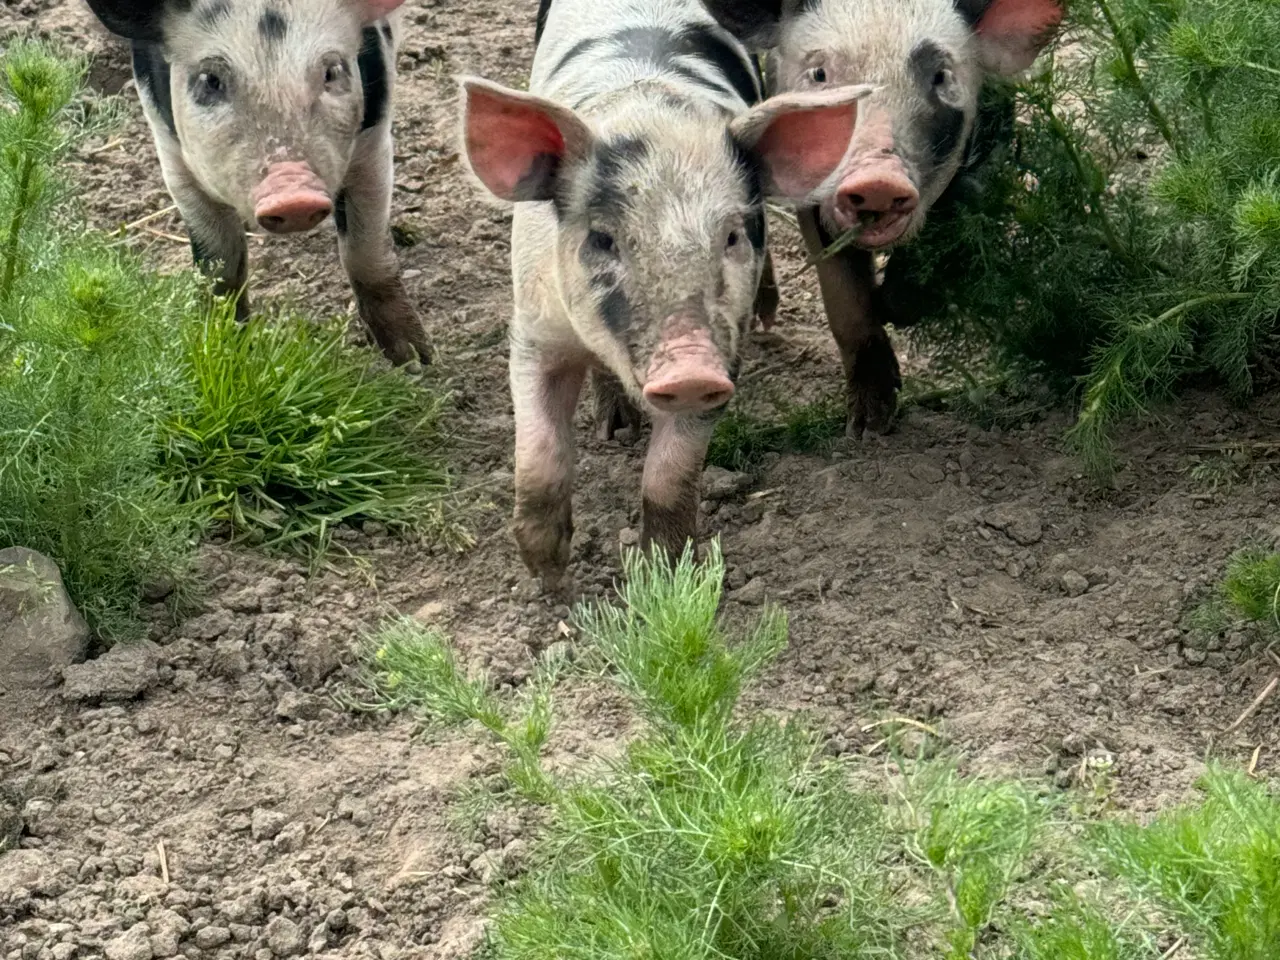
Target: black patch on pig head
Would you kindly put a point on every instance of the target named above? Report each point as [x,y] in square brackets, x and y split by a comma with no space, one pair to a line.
[136,20]
[544,8]
[151,71]
[373,76]
[273,27]
[214,13]
[749,167]
[605,198]
[942,123]
[971,10]
[340,211]
[754,22]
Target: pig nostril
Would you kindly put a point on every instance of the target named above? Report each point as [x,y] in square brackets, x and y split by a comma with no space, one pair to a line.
[900,202]
[717,398]
[856,199]
[272,223]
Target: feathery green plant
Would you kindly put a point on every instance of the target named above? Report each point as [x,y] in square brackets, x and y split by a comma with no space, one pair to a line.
[1128,234]
[89,360]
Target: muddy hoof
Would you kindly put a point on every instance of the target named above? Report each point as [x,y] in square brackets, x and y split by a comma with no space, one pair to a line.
[873,390]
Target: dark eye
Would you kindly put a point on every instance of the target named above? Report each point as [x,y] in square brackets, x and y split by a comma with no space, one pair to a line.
[818,75]
[600,242]
[209,86]
[942,78]
[336,73]
[734,238]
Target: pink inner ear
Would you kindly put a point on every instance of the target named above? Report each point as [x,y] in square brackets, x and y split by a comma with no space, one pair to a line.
[506,139]
[801,148]
[380,8]
[1022,20]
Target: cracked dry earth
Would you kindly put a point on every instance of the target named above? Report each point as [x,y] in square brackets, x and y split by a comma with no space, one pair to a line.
[205,796]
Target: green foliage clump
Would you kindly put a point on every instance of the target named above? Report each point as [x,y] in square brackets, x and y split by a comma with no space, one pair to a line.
[132,414]
[1213,867]
[741,440]
[1119,227]
[89,361]
[1252,585]
[713,834]
[291,433]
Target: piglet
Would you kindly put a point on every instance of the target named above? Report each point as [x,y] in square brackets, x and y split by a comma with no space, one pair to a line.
[927,60]
[639,167]
[276,115]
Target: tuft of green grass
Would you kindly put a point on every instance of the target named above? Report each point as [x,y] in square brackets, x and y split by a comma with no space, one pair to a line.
[1213,866]
[1252,585]
[89,363]
[741,440]
[292,432]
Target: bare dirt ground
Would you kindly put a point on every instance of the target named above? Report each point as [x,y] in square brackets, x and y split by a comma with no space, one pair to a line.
[953,575]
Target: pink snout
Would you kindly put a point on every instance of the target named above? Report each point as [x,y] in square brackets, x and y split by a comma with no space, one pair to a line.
[881,197]
[687,375]
[291,199]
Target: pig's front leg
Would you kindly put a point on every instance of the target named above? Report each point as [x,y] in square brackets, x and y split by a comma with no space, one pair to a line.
[362,213]
[871,370]
[545,395]
[672,476]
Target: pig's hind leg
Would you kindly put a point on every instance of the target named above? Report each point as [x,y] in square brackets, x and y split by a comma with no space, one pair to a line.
[545,394]
[871,370]
[613,409]
[362,214]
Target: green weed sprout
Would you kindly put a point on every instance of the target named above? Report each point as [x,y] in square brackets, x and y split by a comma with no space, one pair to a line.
[411,667]
[1252,585]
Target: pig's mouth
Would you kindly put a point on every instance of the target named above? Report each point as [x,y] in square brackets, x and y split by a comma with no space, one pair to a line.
[879,230]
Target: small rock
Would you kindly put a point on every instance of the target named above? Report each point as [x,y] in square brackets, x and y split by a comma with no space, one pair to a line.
[266,824]
[430,612]
[64,951]
[210,626]
[753,594]
[297,706]
[1019,522]
[25,870]
[124,672]
[133,944]
[230,658]
[336,920]
[155,591]
[319,939]
[40,629]
[210,938]
[1193,656]
[928,471]
[314,657]
[721,484]
[488,866]
[284,937]
[1074,583]
[629,537]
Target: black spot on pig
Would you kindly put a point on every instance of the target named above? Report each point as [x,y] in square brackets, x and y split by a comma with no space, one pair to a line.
[728,59]
[151,70]
[749,168]
[605,198]
[539,181]
[544,7]
[273,27]
[373,75]
[943,124]
[214,13]
[574,52]
[340,211]
[971,10]
[615,311]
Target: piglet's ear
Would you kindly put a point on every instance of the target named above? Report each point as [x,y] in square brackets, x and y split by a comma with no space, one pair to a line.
[515,142]
[139,20]
[800,138]
[377,9]
[1011,33]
